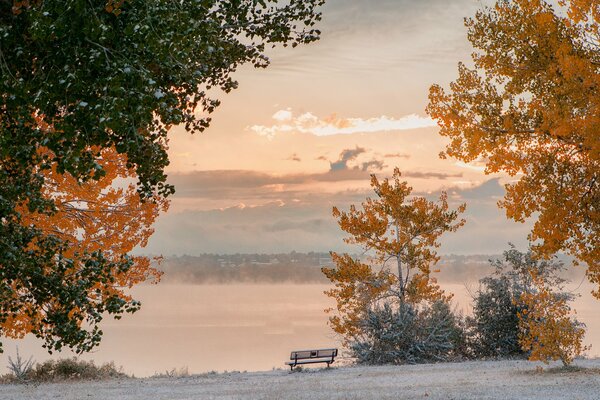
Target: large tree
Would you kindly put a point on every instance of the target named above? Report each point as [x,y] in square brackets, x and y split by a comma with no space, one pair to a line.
[398,234]
[62,299]
[81,76]
[530,107]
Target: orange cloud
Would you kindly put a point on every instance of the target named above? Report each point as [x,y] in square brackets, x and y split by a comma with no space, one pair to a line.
[286,121]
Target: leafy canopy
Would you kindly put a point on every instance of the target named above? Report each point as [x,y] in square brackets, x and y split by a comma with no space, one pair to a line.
[96,224]
[400,234]
[121,73]
[531,107]
[80,77]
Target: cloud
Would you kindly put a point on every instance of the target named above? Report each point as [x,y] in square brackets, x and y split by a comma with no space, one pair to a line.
[239,185]
[285,121]
[294,157]
[283,115]
[373,164]
[280,226]
[345,156]
[397,155]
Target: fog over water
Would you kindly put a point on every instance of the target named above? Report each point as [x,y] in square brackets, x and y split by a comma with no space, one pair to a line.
[235,327]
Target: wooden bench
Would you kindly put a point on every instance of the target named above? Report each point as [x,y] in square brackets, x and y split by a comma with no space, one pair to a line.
[312,356]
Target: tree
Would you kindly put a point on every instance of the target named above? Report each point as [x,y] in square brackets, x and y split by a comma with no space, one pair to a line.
[530,107]
[81,76]
[62,301]
[522,310]
[548,329]
[495,325]
[391,228]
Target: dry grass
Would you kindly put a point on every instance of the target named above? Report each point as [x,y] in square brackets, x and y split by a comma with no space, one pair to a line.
[68,369]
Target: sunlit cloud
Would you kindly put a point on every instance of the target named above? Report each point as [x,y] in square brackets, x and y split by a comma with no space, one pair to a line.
[474,165]
[286,121]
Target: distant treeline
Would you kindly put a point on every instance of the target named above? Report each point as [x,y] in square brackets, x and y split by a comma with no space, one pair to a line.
[301,268]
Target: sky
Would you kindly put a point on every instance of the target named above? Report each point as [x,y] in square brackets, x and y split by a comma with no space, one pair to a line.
[305,134]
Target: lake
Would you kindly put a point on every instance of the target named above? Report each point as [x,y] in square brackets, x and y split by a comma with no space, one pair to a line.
[234,327]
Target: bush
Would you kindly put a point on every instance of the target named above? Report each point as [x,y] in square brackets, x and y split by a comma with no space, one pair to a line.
[66,369]
[410,334]
[494,328]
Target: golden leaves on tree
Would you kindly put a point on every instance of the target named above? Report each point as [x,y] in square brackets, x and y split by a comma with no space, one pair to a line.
[400,234]
[547,328]
[96,215]
[531,107]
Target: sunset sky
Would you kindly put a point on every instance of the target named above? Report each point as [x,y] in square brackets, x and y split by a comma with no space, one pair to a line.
[304,135]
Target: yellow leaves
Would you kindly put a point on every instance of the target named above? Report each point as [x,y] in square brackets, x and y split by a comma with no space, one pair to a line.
[532,107]
[114,6]
[547,328]
[399,233]
[97,215]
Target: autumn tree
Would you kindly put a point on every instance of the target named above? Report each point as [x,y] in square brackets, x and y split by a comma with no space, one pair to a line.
[548,328]
[108,74]
[530,107]
[495,328]
[63,300]
[399,234]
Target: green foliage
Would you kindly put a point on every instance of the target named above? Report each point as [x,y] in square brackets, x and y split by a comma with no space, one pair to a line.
[410,334]
[494,329]
[494,326]
[79,76]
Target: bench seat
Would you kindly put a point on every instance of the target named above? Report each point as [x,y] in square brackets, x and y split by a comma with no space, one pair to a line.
[312,357]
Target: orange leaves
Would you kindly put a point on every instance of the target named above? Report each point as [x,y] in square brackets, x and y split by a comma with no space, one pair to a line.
[399,233]
[357,287]
[103,215]
[114,6]
[531,108]
[547,327]
[20,5]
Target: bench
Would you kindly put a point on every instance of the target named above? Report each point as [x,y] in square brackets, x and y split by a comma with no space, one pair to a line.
[312,356]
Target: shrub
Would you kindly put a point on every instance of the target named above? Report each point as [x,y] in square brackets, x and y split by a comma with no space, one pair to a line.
[19,367]
[66,369]
[409,334]
[549,330]
[516,314]
[494,328]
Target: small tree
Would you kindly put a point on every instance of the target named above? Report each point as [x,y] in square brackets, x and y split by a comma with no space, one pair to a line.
[516,314]
[494,327]
[393,229]
[548,329]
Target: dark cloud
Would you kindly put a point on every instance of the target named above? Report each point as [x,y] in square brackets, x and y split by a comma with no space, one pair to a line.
[294,157]
[345,156]
[239,184]
[373,165]
[308,226]
[322,158]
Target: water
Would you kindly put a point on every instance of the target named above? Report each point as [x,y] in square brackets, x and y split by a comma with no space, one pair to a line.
[234,327]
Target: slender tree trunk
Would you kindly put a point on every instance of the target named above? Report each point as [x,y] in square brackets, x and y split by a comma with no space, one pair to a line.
[400,277]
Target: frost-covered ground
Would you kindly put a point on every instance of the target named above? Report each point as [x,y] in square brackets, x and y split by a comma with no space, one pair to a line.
[469,380]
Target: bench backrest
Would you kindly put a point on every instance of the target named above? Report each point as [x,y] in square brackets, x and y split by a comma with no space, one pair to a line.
[319,353]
